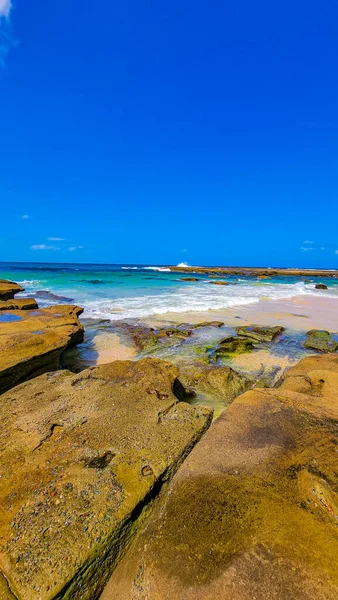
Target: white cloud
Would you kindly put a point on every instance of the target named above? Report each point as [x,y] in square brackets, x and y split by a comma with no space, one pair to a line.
[307,242]
[56,239]
[306,249]
[23,216]
[5,8]
[323,248]
[43,247]
[72,248]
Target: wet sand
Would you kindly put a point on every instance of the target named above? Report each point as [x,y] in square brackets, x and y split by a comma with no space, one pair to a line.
[109,347]
[300,313]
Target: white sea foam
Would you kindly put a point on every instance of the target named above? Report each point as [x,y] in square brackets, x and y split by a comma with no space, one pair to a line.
[198,298]
[182,264]
[160,269]
[30,282]
[129,268]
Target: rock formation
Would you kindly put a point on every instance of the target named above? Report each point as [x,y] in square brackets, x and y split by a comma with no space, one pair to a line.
[18,304]
[81,458]
[252,513]
[320,340]
[8,289]
[31,341]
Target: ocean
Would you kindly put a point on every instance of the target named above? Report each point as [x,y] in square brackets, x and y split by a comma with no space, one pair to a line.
[118,292]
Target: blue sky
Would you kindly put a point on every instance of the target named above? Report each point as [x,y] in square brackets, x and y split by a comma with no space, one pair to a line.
[164,132]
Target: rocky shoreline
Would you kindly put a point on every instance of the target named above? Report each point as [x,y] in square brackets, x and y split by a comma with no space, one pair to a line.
[262,272]
[113,480]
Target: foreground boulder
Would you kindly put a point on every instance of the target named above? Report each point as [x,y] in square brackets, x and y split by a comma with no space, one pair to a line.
[81,456]
[252,513]
[321,340]
[8,289]
[31,342]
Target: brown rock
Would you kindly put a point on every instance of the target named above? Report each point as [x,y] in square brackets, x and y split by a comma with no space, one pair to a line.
[18,304]
[189,279]
[221,383]
[253,511]
[321,286]
[219,282]
[81,456]
[8,289]
[31,341]
[207,324]
[258,333]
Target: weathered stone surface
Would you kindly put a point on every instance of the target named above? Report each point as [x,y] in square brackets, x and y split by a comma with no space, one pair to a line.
[321,286]
[81,455]
[321,340]
[207,324]
[257,333]
[252,513]
[8,289]
[219,282]
[221,383]
[147,338]
[18,304]
[231,344]
[31,341]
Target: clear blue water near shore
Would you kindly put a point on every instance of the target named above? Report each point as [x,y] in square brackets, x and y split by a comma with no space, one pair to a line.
[137,291]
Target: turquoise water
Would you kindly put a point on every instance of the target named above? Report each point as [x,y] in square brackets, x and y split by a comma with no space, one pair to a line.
[132,291]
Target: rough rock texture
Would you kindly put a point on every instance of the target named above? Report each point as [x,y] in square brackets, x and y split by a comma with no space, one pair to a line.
[257,333]
[222,383]
[81,455]
[147,338]
[231,344]
[8,289]
[321,286]
[31,341]
[219,282]
[18,304]
[321,340]
[252,513]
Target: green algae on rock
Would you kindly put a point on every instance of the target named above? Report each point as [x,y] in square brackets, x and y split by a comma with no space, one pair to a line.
[221,383]
[231,344]
[258,333]
[320,340]
[31,342]
[252,513]
[81,456]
